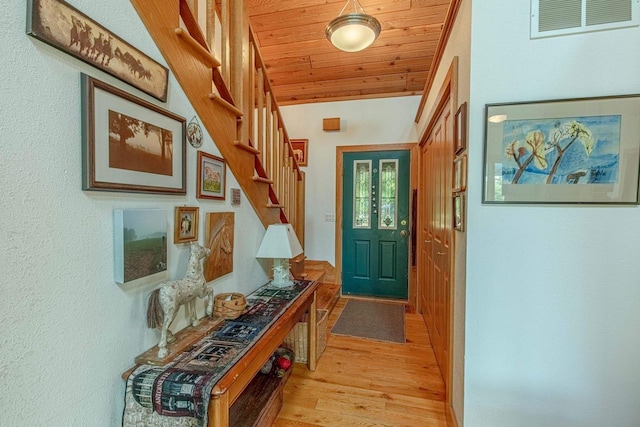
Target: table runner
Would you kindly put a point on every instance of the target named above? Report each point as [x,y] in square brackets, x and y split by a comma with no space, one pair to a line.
[177,394]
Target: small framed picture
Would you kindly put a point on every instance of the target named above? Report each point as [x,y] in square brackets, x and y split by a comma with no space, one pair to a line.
[460,132]
[458,212]
[186,224]
[211,177]
[300,149]
[235,197]
[460,174]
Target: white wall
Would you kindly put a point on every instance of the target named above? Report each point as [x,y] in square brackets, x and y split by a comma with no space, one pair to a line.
[67,331]
[374,121]
[459,45]
[552,292]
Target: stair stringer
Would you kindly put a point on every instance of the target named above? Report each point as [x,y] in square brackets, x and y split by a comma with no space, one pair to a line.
[161,18]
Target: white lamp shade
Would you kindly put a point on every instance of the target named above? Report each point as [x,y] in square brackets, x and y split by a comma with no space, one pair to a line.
[353,32]
[279,241]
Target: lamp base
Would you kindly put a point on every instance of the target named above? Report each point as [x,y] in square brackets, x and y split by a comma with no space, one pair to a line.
[281,273]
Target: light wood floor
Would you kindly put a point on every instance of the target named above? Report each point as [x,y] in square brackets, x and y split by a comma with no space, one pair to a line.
[360,382]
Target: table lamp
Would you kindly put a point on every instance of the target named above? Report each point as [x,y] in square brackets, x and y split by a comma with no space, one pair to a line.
[281,244]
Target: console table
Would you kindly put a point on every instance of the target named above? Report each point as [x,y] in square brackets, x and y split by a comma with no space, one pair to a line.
[230,386]
[232,383]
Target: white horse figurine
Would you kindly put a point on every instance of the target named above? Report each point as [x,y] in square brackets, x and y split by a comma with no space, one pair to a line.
[165,301]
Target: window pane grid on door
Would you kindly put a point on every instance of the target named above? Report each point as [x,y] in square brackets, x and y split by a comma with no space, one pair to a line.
[362,194]
[388,194]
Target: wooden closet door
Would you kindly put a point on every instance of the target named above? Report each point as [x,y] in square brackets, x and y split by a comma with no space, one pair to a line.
[436,234]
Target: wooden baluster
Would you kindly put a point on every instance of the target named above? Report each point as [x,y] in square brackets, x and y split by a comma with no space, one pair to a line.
[277,167]
[285,180]
[210,29]
[238,79]
[300,207]
[282,167]
[260,109]
[269,147]
[251,96]
[226,42]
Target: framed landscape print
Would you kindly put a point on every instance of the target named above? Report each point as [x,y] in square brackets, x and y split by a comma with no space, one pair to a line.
[563,151]
[64,27]
[212,176]
[185,226]
[140,246]
[129,144]
[300,149]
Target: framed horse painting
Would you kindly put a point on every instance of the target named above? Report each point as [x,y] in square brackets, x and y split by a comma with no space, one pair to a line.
[64,27]
[300,149]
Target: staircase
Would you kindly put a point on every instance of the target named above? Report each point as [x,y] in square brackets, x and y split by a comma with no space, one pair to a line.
[233,99]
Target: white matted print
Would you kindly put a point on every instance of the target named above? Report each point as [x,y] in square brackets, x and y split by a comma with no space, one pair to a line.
[140,246]
[130,144]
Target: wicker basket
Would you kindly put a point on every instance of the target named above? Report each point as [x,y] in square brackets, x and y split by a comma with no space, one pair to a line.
[229,305]
[297,338]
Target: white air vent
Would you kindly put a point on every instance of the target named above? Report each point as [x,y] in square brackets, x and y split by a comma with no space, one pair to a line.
[558,17]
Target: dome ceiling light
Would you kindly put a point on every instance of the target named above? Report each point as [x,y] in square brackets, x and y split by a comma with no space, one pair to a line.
[353,32]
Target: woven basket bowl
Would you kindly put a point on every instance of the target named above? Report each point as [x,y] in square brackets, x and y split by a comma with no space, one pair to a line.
[229,305]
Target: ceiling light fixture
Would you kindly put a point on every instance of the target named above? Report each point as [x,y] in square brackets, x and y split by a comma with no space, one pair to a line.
[353,32]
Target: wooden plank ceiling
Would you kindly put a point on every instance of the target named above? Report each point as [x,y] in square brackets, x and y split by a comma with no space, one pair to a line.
[304,67]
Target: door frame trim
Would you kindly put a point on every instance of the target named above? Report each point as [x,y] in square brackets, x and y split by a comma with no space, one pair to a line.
[340,151]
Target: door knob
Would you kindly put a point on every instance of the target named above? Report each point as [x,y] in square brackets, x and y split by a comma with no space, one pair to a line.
[403,233]
[440,253]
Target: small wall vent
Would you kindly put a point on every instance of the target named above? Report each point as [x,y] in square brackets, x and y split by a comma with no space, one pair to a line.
[559,17]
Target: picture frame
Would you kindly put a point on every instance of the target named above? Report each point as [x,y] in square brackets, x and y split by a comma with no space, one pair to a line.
[458,212]
[236,197]
[129,144]
[300,148]
[460,174]
[212,177]
[140,246]
[460,132]
[185,226]
[568,151]
[58,24]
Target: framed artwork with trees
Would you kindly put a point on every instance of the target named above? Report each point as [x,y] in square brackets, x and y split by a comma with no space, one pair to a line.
[563,151]
[129,144]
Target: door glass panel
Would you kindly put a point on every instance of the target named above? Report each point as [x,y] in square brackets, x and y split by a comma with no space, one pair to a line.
[388,194]
[362,194]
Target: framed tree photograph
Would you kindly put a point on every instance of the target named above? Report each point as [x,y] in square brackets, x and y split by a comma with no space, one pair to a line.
[563,151]
[129,144]
[64,27]
[460,132]
[212,177]
[185,227]
[300,149]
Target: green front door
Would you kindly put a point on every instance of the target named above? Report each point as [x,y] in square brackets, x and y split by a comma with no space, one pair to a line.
[375,207]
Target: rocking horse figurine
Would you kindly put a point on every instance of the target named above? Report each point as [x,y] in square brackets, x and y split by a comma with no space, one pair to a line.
[165,301]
